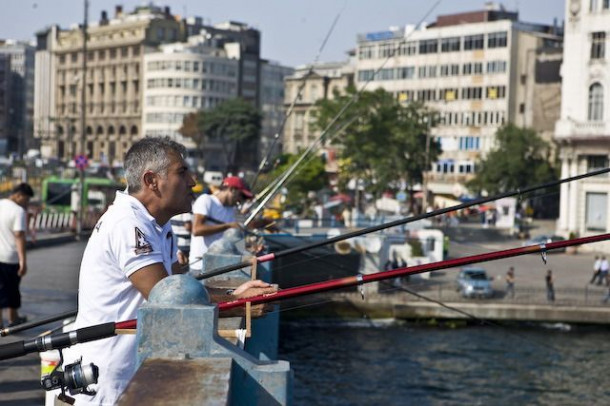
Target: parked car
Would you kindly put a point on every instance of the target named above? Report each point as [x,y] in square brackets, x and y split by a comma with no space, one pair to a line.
[545,239]
[474,282]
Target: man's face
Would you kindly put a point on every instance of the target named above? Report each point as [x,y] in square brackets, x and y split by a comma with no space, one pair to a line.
[236,196]
[176,187]
[22,200]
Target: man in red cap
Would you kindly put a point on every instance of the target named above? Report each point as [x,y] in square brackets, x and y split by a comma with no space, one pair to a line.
[213,214]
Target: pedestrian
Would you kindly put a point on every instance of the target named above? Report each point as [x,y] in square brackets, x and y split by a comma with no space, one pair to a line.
[596,267]
[182,225]
[13,261]
[131,249]
[510,282]
[606,296]
[213,214]
[603,272]
[550,287]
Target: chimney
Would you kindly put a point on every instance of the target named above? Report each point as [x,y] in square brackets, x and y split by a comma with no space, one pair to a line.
[104,18]
[167,11]
[118,11]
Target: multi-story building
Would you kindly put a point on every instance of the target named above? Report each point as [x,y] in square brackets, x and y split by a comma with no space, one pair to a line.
[182,78]
[583,131]
[308,85]
[21,95]
[112,83]
[272,106]
[477,70]
[5,72]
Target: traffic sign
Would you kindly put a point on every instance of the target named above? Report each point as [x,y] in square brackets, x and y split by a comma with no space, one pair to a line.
[81,161]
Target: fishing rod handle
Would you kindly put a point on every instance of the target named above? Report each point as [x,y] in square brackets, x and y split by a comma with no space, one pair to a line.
[54,342]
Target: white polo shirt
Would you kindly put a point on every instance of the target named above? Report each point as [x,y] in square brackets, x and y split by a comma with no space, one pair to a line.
[12,219]
[209,206]
[125,239]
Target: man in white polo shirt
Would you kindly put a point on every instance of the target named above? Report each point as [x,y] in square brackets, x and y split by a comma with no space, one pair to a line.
[130,250]
[213,214]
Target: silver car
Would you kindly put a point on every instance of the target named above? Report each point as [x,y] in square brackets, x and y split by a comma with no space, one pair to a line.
[474,282]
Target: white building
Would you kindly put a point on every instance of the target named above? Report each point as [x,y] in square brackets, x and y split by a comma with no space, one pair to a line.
[475,69]
[583,132]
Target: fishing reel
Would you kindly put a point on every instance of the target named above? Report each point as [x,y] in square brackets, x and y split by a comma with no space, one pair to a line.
[74,377]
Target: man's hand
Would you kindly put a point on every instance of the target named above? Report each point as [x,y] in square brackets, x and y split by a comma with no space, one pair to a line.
[23,269]
[254,288]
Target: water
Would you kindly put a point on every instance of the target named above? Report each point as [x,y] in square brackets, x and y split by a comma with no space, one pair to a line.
[365,363]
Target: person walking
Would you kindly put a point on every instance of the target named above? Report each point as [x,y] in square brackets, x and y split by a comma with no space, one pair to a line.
[550,286]
[212,215]
[13,261]
[603,272]
[510,282]
[596,267]
[130,250]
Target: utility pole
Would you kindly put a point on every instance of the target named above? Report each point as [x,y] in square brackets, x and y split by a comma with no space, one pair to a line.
[81,206]
[428,118]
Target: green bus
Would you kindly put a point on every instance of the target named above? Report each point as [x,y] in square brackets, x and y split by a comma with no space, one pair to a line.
[61,194]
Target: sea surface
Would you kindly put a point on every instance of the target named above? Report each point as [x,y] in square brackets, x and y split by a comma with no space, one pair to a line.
[366,362]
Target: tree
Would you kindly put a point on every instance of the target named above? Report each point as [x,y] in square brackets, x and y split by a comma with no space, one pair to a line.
[310,176]
[234,124]
[387,141]
[520,159]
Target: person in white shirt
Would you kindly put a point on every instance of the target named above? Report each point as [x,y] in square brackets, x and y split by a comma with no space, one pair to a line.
[13,263]
[213,214]
[130,250]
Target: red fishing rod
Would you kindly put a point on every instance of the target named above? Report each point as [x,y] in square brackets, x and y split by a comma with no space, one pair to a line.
[357,233]
[411,270]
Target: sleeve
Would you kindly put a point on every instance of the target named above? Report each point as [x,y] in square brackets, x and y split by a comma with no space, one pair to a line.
[19,221]
[202,205]
[135,245]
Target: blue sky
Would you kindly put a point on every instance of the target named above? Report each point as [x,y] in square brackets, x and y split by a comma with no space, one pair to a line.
[292,31]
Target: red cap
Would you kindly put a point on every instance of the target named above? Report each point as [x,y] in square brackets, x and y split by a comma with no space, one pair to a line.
[237,183]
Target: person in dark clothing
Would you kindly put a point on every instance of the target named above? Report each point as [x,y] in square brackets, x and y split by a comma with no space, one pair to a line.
[550,288]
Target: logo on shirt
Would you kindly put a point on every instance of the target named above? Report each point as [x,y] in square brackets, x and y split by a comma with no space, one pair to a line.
[142,246]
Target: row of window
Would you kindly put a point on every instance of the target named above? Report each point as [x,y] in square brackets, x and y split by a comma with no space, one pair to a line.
[215,68]
[101,54]
[472,118]
[101,108]
[452,94]
[123,89]
[181,101]
[102,73]
[99,130]
[219,86]
[448,166]
[431,71]
[432,46]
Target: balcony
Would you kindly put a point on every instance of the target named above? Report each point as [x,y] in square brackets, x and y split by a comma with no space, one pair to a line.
[572,129]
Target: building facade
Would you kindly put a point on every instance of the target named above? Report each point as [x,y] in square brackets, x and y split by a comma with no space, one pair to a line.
[302,90]
[476,70]
[112,83]
[20,112]
[273,109]
[583,131]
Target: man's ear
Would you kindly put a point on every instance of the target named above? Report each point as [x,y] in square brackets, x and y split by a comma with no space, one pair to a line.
[150,180]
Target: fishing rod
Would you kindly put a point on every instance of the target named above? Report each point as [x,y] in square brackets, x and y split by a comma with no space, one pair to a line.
[105,330]
[357,233]
[310,71]
[63,340]
[404,271]
[332,122]
[360,279]
[26,326]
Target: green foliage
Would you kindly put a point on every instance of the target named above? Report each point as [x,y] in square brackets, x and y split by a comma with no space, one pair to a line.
[520,159]
[310,176]
[235,124]
[385,143]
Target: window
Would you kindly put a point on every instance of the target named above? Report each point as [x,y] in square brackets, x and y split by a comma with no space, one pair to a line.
[407,48]
[466,167]
[365,52]
[365,75]
[598,45]
[596,102]
[596,209]
[124,52]
[444,166]
[496,67]
[386,50]
[429,46]
[596,162]
[469,143]
[406,72]
[386,74]
[495,92]
[450,44]
[474,42]
[496,40]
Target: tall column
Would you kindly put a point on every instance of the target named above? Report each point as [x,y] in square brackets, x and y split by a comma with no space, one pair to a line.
[564,192]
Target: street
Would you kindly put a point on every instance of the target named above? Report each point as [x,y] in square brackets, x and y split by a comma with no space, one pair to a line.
[49,288]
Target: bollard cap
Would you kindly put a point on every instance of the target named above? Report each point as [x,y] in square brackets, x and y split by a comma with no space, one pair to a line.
[179,290]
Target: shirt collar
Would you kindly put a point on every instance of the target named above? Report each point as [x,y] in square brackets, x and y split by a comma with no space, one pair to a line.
[125,199]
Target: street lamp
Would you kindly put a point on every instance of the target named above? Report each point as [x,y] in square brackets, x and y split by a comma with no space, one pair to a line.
[427,119]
